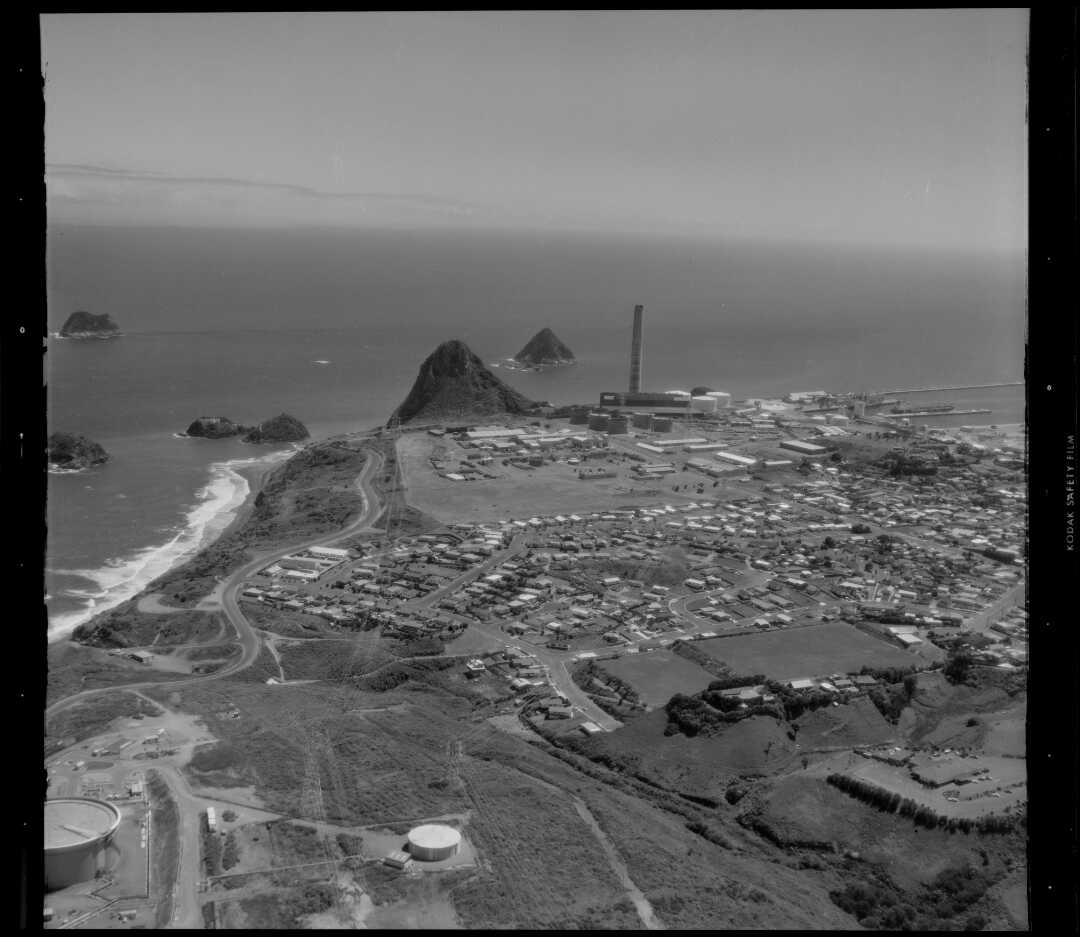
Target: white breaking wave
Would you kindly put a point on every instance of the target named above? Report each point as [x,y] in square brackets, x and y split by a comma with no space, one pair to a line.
[123,578]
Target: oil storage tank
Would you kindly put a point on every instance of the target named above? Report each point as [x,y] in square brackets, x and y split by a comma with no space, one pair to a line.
[618,425]
[77,832]
[598,422]
[433,842]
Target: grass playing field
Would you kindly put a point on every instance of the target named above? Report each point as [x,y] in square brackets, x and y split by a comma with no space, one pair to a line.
[815,651]
[659,675]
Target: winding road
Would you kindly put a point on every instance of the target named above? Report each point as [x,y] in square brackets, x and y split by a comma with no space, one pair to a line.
[248,638]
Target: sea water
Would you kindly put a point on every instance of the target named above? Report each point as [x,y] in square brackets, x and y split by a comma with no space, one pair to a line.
[331,326]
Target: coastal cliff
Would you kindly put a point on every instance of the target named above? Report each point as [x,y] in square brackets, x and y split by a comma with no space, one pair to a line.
[83,324]
[70,451]
[544,348]
[454,383]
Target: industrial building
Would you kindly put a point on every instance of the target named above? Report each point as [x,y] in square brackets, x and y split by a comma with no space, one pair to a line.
[666,403]
[673,402]
[735,458]
[806,448]
[77,833]
[433,842]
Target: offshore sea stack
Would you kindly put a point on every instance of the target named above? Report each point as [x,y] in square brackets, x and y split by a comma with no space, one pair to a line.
[214,427]
[281,428]
[71,451]
[454,384]
[544,348]
[83,324]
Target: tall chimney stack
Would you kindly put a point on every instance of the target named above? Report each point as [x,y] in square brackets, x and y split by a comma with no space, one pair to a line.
[635,352]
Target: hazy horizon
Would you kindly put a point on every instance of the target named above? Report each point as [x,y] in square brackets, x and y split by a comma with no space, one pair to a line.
[870,128]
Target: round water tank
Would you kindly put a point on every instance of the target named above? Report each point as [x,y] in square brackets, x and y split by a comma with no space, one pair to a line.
[77,829]
[433,841]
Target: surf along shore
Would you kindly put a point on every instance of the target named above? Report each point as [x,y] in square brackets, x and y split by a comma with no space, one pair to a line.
[271,515]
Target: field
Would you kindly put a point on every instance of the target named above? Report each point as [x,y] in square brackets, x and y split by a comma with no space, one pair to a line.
[700,766]
[91,717]
[659,675]
[852,724]
[552,488]
[814,651]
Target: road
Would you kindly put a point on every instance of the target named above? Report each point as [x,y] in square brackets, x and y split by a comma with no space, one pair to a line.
[186,911]
[247,637]
[981,621]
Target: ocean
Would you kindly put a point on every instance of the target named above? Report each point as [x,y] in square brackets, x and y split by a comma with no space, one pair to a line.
[332,325]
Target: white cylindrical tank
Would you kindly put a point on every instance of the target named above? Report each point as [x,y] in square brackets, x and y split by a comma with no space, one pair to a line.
[723,398]
[77,830]
[703,404]
[433,842]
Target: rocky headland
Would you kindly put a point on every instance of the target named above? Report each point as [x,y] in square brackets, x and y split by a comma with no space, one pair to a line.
[83,324]
[72,452]
[544,350]
[454,384]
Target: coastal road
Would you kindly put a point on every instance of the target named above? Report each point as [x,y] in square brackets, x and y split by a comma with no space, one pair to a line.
[249,640]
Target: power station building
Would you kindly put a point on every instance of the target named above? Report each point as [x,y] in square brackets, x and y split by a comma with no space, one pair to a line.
[668,403]
[673,404]
[77,832]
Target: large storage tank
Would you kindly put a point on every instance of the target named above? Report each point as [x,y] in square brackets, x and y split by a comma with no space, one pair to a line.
[722,397]
[433,842]
[642,420]
[598,422]
[703,404]
[661,424]
[618,425]
[77,831]
[579,417]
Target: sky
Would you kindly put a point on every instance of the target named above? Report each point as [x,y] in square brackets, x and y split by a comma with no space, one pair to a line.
[878,128]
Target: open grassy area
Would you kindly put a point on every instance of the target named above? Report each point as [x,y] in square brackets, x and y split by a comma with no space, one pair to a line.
[92,717]
[334,658]
[549,489]
[374,763]
[659,675]
[817,650]
[700,766]
[520,826]
[72,668]
[127,626]
[286,622]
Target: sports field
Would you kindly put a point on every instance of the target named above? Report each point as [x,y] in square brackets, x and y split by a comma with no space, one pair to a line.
[659,675]
[815,651]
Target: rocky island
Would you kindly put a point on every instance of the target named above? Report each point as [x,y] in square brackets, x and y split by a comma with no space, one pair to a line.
[214,427]
[454,383]
[281,428]
[71,452]
[83,324]
[544,350]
